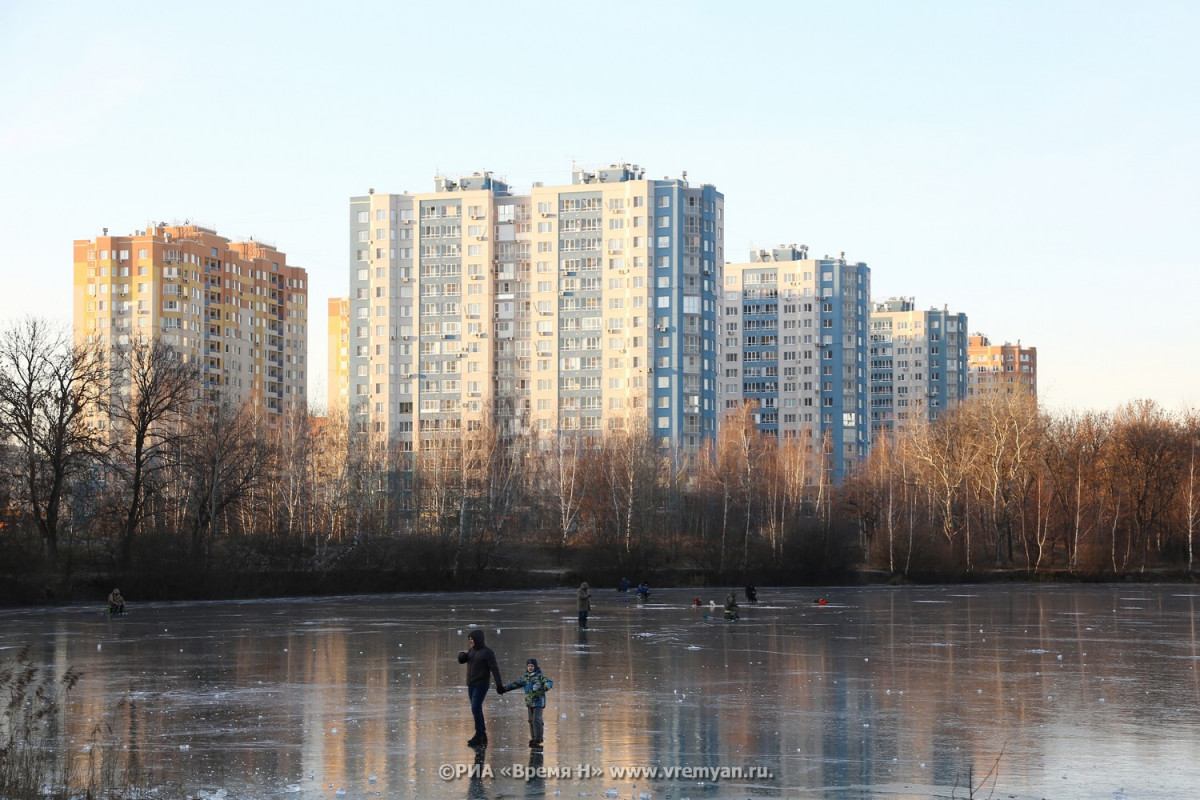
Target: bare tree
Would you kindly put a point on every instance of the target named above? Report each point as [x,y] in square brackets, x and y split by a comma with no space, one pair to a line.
[872,492]
[1007,429]
[224,460]
[330,487]
[1149,449]
[154,388]
[1191,512]
[1072,457]
[628,470]
[437,487]
[565,475]
[1189,506]
[945,451]
[290,499]
[730,470]
[51,394]
[491,469]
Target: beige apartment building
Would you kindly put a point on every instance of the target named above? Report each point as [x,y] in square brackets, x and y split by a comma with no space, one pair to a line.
[579,309]
[918,362]
[236,308]
[1000,368]
[337,390]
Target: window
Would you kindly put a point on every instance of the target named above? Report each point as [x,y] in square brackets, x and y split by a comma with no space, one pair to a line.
[363,217]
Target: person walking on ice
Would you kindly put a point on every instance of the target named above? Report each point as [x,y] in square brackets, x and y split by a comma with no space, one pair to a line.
[584,599]
[536,684]
[481,664]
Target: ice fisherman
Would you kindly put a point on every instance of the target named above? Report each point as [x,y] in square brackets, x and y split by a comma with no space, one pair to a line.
[731,606]
[481,665]
[116,603]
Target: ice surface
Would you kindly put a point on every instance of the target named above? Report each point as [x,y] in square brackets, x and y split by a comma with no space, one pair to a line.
[884,692]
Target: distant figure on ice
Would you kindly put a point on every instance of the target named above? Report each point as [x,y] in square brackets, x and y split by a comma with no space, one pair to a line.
[751,593]
[584,600]
[116,603]
[696,603]
[643,592]
[535,684]
[624,585]
[731,607]
[481,664]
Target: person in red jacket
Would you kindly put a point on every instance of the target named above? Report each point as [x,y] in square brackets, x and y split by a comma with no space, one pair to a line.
[481,664]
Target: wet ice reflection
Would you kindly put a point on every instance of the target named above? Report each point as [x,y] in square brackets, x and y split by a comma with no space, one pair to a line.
[882,692]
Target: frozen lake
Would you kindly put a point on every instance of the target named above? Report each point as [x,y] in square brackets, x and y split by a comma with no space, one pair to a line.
[913,692]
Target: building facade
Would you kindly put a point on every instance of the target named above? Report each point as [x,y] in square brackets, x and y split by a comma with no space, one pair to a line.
[794,345]
[236,308]
[918,363]
[585,308]
[337,389]
[1003,368]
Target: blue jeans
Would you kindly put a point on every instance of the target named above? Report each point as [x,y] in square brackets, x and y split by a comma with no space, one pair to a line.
[476,694]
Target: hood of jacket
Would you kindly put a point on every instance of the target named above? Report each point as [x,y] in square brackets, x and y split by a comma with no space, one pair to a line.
[477,637]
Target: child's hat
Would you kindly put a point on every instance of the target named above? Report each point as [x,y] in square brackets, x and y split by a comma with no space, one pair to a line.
[532,661]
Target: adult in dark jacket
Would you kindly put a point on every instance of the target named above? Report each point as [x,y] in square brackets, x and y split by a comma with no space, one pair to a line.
[584,600]
[481,664]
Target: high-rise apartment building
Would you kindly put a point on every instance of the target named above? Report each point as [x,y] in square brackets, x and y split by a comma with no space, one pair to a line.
[337,389]
[794,344]
[1000,368]
[236,308]
[918,362]
[589,307]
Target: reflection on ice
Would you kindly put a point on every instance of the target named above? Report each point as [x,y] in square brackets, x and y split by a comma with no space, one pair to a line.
[881,692]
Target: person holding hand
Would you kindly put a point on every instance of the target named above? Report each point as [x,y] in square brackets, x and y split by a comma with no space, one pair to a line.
[481,665]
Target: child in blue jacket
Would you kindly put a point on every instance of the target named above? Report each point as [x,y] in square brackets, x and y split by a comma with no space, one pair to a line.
[536,684]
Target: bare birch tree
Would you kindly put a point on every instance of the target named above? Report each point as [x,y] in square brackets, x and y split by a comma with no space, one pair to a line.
[154,390]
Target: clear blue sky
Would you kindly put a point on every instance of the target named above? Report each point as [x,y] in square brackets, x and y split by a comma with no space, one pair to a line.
[1033,164]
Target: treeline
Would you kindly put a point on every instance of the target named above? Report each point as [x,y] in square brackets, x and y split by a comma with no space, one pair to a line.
[996,484]
[122,465]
